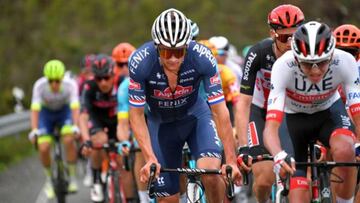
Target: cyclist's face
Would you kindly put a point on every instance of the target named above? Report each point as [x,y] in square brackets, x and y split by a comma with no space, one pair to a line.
[105,83]
[55,85]
[172,58]
[282,38]
[314,71]
[121,69]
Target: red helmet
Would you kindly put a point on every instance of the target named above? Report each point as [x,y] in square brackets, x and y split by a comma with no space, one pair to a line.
[86,61]
[122,52]
[285,16]
[347,36]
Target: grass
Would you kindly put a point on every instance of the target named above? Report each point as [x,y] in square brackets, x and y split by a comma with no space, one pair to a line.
[13,149]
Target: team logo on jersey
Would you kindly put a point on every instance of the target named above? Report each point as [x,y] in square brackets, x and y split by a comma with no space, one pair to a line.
[251,57]
[180,91]
[357,81]
[134,85]
[215,79]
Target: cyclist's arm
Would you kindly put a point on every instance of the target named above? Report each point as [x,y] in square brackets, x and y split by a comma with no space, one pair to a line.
[35,105]
[222,119]
[243,106]
[141,132]
[84,115]
[123,128]
[74,102]
[351,86]
[275,108]
[83,125]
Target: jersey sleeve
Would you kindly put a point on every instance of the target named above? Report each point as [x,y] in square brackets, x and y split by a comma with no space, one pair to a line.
[123,100]
[74,95]
[86,98]
[36,97]
[276,101]
[137,93]
[351,84]
[211,77]
[251,67]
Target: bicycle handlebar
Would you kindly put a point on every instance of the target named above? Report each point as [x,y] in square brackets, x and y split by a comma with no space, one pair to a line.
[194,172]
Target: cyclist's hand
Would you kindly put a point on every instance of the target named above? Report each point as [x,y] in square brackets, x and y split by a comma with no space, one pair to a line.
[357,151]
[284,163]
[236,175]
[124,148]
[33,134]
[244,159]
[86,148]
[145,170]
[76,130]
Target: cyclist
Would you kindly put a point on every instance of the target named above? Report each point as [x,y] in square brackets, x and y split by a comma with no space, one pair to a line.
[254,91]
[85,72]
[348,39]
[55,103]
[121,54]
[308,76]
[165,73]
[98,120]
[222,55]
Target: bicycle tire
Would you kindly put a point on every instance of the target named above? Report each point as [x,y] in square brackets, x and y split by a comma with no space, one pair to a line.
[113,191]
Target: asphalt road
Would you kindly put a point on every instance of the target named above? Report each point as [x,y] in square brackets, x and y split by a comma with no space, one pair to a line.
[23,183]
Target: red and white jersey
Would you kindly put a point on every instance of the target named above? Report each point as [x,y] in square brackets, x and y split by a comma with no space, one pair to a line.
[292,92]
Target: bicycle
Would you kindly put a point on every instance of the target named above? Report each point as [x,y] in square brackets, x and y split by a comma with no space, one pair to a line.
[60,173]
[113,188]
[193,172]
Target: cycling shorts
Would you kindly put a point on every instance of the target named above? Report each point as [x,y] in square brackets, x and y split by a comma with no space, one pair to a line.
[49,119]
[304,128]
[168,139]
[97,124]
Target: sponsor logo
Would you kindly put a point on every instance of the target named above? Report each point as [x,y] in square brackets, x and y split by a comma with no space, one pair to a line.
[137,57]
[345,121]
[202,50]
[357,81]
[134,85]
[172,103]
[306,86]
[187,72]
[251,57]
[161,181]
[186,79]
[354,95]
[272,101]
[215,79]
[158,75]
[180,91]
[245,87]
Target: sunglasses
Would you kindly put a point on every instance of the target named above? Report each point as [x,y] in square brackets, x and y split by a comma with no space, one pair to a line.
[308,66]
[351,50]
[121,64]
[54,81]
[283,38]
[100,78]
[168,52]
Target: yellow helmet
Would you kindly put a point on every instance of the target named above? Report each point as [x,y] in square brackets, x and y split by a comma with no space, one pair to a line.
[209,45]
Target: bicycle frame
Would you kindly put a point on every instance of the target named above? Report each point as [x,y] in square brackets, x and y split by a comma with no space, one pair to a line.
[59,172]
[114,189]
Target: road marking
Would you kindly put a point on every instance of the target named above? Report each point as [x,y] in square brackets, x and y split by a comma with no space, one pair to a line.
[41,198]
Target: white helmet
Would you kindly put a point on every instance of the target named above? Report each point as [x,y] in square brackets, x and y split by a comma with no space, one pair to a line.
[171,29]
[313,42]
[220,42]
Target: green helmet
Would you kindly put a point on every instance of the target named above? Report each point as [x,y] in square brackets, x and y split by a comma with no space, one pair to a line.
[54,69]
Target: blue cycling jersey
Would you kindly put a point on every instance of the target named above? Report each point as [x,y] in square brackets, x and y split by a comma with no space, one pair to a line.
[149,84]
[123,97]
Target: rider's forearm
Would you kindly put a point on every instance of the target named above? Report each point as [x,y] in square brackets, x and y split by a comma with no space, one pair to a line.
[83,125]
[225,134]
[75,116]
[243,109]
[241,122]
[271,137]
[34,119]
[141,133]
[123,129]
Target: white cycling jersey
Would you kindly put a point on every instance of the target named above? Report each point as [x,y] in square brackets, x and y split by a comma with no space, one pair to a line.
[43,96]
[292,92]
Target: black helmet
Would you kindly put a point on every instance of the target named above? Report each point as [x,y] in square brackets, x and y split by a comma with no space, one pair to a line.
[102,65]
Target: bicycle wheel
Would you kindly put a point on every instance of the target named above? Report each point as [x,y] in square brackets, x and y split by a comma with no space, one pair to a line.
[60,183]
[114,190]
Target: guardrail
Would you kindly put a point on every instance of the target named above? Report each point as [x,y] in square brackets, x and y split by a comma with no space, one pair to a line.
[14,123]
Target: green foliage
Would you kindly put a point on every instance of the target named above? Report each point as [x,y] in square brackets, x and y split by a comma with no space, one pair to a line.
[13,149]
[35,31]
